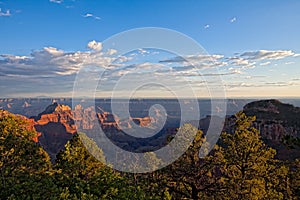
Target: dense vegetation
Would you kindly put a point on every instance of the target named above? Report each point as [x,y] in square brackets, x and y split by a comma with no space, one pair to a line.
[240,167]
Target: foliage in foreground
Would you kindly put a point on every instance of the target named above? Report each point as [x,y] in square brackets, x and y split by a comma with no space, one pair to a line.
[241,167]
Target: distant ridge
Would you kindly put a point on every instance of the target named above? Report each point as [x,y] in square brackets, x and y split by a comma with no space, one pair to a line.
[276,122]
[274,110]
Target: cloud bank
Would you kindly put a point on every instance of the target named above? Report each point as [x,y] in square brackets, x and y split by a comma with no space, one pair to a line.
[53,70]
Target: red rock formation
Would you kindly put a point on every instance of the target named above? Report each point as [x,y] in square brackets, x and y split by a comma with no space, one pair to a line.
[58,114]
[31,126]
[56,125]
[144,122]
[58,122]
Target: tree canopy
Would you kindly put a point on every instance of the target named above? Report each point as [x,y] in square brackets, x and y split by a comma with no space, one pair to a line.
[241,166]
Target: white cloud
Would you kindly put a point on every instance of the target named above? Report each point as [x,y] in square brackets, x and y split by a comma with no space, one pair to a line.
[238,61]
[265,63]
[235,70]
[199,61]
[5,13]
[90,15]
[56,1]
[97,46]
[13,58]
[111,51]
[206,26]
[232,19]
[51,62]
[234,65]
[51,66]
[54,51]
[265,54]
[195,58]
[148,65]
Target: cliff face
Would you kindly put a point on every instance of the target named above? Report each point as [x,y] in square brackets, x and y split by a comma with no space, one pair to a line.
[56,126]
[275,120]
[57,123]
[57,113]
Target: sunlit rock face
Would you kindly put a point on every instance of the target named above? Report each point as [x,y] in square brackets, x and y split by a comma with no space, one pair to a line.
[56,125]
[57,122]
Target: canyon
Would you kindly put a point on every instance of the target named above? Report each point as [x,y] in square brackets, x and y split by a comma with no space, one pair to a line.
[57,123]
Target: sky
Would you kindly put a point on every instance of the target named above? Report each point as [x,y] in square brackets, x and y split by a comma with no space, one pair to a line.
[250,48]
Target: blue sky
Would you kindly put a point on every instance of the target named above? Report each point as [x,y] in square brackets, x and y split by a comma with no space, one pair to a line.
[262,35]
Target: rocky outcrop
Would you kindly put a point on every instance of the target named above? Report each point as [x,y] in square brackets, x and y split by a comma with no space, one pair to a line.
[277,121]
[57,113]
[274,120]
[56,126]
[57,123]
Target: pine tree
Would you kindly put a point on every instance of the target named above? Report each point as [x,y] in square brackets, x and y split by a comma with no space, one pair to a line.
[25,168]
[249,170]
[190,176]
[84,176]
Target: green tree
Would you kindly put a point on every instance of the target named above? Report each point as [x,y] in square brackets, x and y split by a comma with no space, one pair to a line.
[294,177]
[153,183]
[25,168]
[189,176]
[83,176]
[249,169]
[242,166]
